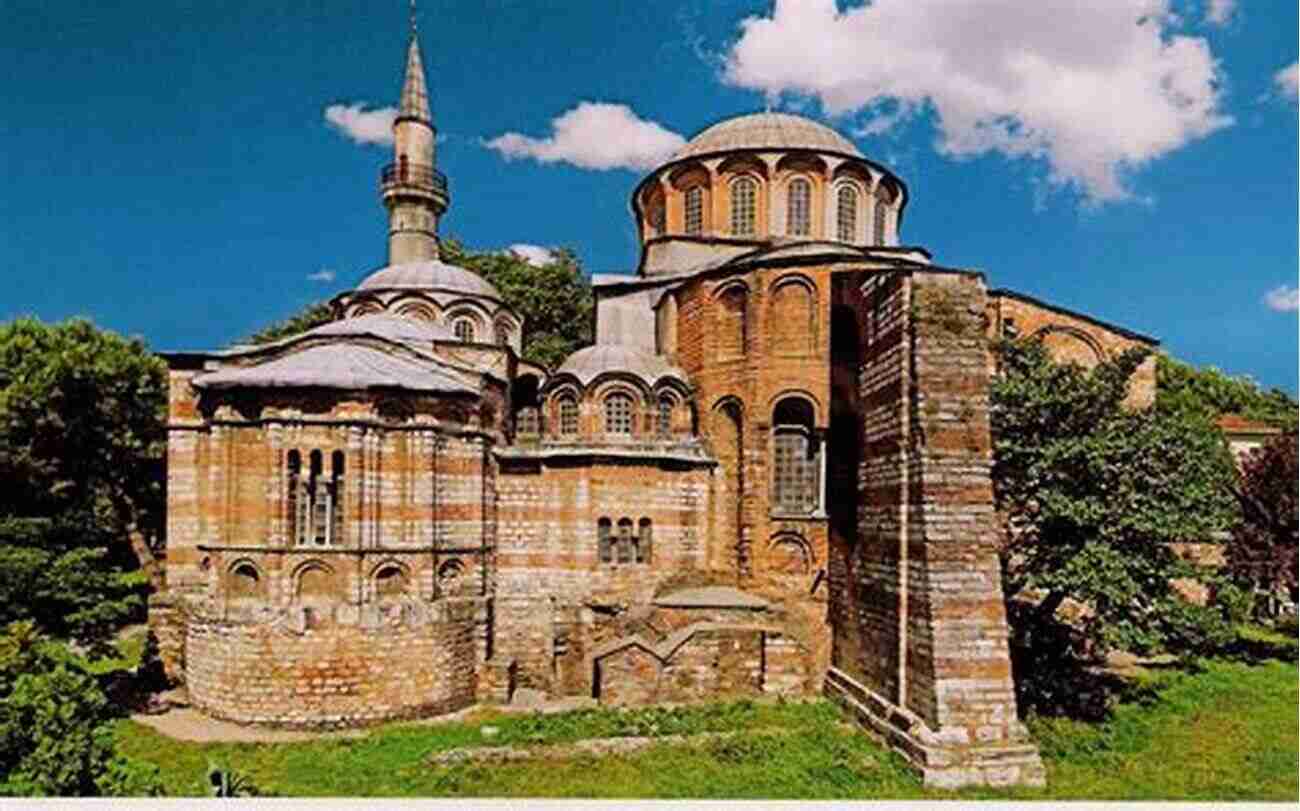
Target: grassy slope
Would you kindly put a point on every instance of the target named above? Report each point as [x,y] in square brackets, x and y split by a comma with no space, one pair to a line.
[1228,732]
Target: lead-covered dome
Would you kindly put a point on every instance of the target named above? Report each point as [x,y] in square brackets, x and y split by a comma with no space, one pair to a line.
[767,131]
[590,363]
[429,275]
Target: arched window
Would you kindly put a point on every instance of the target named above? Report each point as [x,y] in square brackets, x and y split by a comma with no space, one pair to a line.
[390,581]
[527,421]
[796,464]
[846,218]
[694,213]
[618,413]
[646,541]
[568,415]
[244,582]
[320,510]
[503,333]
[744,206]
[604,541]
[655,217]
[464,329]
[626,541]
[798,219]
[335,534]
[295,498]
[664,416]
[792,318]
[883,200]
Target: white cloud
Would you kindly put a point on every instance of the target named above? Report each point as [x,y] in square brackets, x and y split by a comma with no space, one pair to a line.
[361,125]
[1284,299]
[322,275]
[1288,81]
[595,135]
[1093,89]
[1219,12]
[534,255]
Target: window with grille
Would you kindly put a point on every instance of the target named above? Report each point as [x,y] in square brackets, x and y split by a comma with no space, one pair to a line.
[464,329]
[315,499]
[798,220]
[626,541]
[618,414]
[528,421]
[664,417]
[604,541]
[694,210]
[568,416]
[846,220]
[796,459]
[882,212]
[744,206]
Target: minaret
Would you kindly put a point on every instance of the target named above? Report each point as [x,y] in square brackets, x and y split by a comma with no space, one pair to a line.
[413,190]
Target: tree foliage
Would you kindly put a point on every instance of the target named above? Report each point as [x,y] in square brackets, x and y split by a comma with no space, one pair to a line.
[1094,494]
[1262,553]
[82,426]
[555,299]
[1183,388]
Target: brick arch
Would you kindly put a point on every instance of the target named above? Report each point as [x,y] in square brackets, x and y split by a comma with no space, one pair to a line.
[385,585]
[798,394]
[364,306]
[792,316]
[790,553]
[244,579]
[414,307]
[314,580]
[1066,343]
[599,393]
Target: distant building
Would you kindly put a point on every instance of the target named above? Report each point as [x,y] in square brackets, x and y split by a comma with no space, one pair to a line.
[770,475]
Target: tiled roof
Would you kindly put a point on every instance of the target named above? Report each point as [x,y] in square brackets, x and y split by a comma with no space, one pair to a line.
[770,131]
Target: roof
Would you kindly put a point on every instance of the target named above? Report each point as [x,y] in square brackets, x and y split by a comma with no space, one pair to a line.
[770,131]
[1116,328]
[589,363]
[339,366]
[429,274]
[387,326]
[1237,424]
[415,96]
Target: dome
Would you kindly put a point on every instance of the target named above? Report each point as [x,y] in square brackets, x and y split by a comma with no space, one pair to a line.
[429,275]
[594,361]
[767,131]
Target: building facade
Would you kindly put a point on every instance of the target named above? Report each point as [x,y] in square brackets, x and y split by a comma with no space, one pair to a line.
[769,476]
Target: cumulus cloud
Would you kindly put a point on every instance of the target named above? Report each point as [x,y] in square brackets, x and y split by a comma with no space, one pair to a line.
[361,125]
[1093,89]
[1287,81]
[534,255]
[322,275]
[1219,12]
[1284,299]
[595,135]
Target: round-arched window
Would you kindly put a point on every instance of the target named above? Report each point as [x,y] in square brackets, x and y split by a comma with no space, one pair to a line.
[694,210]
[798,220]
[568,408]
[744,206]
[464,329]
[618,413]
[846,219]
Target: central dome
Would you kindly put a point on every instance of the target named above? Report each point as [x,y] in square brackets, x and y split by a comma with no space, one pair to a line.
[430,275]
[767,131]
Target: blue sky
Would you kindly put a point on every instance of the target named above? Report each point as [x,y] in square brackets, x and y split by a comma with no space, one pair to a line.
[169,170]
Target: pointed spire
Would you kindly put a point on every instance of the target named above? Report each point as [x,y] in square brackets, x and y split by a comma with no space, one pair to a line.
[415,95]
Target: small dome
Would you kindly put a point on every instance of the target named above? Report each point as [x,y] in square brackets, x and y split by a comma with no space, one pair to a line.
[767,131]
[389,327]
[594,361]
[429,275]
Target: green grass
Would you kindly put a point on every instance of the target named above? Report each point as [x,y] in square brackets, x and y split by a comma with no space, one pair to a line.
[1226,731]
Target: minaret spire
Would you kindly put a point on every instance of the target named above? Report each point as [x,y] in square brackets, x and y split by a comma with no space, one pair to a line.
[413,190]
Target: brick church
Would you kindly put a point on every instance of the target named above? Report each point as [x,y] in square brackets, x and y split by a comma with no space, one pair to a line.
[769,476]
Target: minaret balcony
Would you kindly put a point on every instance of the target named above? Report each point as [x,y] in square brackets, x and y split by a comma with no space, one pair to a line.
[412,179]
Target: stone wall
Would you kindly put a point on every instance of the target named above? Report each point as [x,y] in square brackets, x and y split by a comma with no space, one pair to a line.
[920,635]
[334,674]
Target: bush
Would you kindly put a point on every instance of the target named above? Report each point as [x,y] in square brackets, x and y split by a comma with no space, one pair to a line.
[128,777]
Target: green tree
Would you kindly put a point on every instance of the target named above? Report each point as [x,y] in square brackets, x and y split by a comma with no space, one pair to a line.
[82,428]
[1094,494]
[1262,554]
[1185,389]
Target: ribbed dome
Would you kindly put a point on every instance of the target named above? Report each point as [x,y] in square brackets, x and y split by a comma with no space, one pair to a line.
[429,275]
[590,363]
[767,131]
